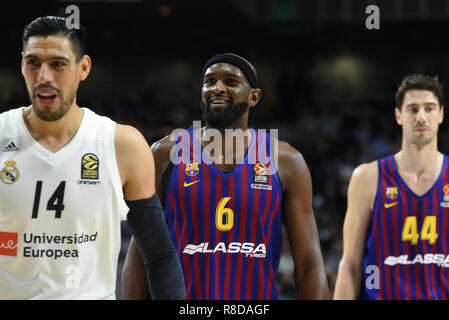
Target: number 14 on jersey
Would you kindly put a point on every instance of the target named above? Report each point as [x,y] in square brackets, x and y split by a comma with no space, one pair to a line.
[55,203]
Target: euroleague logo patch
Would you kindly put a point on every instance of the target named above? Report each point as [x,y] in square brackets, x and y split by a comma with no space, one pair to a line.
[9,174]
[89,166]
[260,177]
[260,173]
[445,196]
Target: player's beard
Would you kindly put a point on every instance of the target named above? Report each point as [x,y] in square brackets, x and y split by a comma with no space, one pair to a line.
[422,140]
[58,114]
[223,119]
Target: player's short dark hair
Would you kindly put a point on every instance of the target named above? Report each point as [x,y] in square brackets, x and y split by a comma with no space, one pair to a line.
[56,26]
[419,82]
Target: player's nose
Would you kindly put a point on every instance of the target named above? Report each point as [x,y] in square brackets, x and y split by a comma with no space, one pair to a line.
[219,87]
[421,115]
[45,74]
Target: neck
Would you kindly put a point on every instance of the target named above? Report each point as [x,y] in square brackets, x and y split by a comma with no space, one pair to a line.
[229,147]
[53,134]
[419,159]
[241,124]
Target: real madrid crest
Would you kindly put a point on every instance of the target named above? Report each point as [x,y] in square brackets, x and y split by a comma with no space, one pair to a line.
[9,174]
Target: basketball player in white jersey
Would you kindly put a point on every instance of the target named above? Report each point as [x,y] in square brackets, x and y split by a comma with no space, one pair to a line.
[67,179]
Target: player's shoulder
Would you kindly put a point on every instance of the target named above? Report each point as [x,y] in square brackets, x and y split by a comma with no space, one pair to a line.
[128,138]
[163,145]
[366,169]
[9,123]
[162,152]
[10,114]
[291,165]
[124,131]
[289,155]
[365,174]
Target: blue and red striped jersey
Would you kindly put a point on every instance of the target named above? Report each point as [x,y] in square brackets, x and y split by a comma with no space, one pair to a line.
[408,239]
[226,227]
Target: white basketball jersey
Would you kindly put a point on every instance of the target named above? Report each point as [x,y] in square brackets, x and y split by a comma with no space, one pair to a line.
[60,213]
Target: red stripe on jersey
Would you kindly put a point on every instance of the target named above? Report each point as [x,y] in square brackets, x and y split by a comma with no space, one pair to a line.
[386,248]
[256,202]
[419,290]
[175,221]
[262,261]
[230,237]
[394,223]
[375,228]
[242,227]
[271,274]
[406,244]
[195,226]
[218,194]
[207,225]
[254,225]
[184,238]
[433,247]
[443,271]
[425,213]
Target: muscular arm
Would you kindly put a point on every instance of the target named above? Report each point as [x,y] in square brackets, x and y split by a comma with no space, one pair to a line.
[135,163]
[361,193]
[309,274]
[134,284]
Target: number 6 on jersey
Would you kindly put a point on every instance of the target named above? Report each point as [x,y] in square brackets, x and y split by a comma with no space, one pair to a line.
[224,217]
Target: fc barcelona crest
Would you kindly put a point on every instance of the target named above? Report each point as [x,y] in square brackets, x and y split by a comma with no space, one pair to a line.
[192,169]
[392,193]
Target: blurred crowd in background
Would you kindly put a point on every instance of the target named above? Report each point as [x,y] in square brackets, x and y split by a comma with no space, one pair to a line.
[327,85]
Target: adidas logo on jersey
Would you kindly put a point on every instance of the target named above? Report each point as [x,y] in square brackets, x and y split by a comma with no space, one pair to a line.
[10,147]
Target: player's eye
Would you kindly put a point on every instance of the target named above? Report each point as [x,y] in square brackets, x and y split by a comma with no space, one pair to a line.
[209,81]
[231,82]
[58,64]
[33,63]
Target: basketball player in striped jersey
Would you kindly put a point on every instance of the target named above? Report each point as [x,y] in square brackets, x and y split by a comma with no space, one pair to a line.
[67,178]
[225,218]
[395,234]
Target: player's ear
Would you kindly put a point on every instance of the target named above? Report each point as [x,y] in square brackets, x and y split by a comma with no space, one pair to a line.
[254,97]
[22,63]
[398,116]
[85,65]
[441,114]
